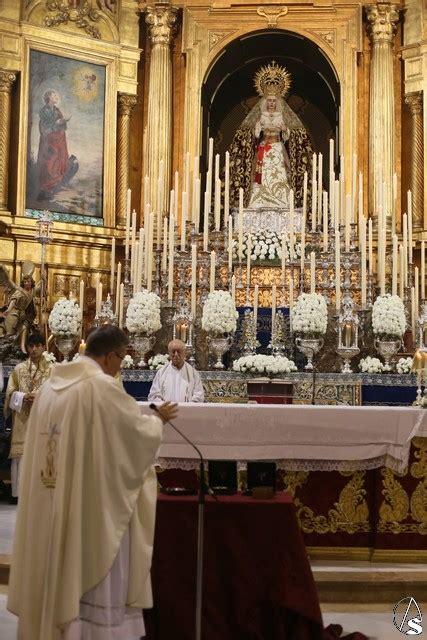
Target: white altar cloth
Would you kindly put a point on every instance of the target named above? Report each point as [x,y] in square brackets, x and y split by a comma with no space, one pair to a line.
[295,436]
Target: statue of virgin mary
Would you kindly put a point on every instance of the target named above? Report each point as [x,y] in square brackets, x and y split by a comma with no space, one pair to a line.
[271,149]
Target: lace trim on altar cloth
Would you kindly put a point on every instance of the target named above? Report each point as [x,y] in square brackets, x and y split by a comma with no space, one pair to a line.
[191,464]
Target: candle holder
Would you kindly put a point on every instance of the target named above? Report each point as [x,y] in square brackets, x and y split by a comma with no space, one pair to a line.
[106,314]
[348,332]
[158,275]
[407,305]
[183,326]
[370,287]
[248,342]
[127,288]
[422,326]
[353,236]
[325,286]
[278,334]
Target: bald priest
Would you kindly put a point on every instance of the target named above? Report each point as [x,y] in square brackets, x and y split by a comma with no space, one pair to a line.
[177,381]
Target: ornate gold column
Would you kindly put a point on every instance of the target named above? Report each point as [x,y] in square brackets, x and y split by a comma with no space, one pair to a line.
[415,103]
[161,19]
[126,103]
[7,78]
[382,19]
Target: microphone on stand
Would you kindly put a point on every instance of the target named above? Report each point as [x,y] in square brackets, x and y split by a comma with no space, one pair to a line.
[203,488]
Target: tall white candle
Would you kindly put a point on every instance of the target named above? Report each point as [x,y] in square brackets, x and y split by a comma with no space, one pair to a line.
[119,277]
[227,186]
[353,186]
[113,264]
[174,212]
[319,184]
[347,221]
[423,271]
[302,256]
[248,266]
[193,279]
[135,250]
[405,247]
[417,295]
[127,229]
[233,289]
[410,227]
[283,259]
[337,205]
[82,296]
[402,272]
[291,293]
[314,206]
[150,253]
[171,258]
[337,270]
[206,222]
[197,209]
[370,246]
[146,190]
[240,230]
[325,221]
[413,324]
[132,255]
[212,273]
[312,272]
[394,205]
[230,244]
[141,257]
[183,220]
[363,261]
[187,172]
[165,244]
[217,209]
[395,263]
[121,304]
[255,305]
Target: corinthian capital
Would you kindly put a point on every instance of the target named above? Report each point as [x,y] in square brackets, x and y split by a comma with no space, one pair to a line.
[126,103]
[415,103]
[7,78]
[161,19]
[383,18]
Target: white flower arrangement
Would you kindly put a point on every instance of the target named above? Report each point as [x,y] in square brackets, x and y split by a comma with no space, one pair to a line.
[127,362]
[76,356]
[143,313]
[388,317]
[264,364]
[266,246]
[219,314]
[158,361]
[49,357]
[310,314]
[371,365]
[65,318]
[404,365]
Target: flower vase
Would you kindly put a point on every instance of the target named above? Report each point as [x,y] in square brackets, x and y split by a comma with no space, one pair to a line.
[387,350]
[309,347]
[218,346]
[142,345]
[65,344]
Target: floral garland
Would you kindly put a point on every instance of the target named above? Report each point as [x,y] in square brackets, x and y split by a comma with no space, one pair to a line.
[266,246]
[143,313]
[219,314]
[65,318]
[388,317]
[264,364]
[158,361]
[310,314]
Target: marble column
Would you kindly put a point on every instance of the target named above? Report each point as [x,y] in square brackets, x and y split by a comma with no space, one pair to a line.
[126,103]
[7,78]
[161,21]
[382,20]
[415,103]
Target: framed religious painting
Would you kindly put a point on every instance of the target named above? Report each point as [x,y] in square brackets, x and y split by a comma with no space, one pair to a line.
[67,140]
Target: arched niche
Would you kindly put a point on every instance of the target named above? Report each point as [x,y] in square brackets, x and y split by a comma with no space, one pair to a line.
[228,93]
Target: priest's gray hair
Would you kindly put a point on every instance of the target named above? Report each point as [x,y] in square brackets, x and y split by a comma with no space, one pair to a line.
[105,339]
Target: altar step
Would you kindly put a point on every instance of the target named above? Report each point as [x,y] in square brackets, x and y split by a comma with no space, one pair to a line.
[348,582]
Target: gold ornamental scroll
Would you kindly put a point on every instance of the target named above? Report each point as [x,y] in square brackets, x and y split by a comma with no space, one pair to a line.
[161,19]
[7,78]
[126,103]
[415,103]
[382,20]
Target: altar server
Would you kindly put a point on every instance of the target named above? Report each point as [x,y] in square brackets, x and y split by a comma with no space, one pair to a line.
[24,383]
[85,522]
[177,381]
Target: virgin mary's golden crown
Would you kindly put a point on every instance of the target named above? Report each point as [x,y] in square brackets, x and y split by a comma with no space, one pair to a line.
[272,80]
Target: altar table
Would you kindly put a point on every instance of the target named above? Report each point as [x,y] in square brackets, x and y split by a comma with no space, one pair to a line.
[257,581]
[316,437]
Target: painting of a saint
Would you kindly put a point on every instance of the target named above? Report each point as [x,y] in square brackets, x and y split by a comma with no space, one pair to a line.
[65,136]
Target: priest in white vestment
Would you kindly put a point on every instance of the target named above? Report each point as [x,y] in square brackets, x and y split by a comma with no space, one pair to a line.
[177,381]
[85,522]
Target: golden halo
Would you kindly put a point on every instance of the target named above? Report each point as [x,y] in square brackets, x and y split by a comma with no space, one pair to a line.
[272,80]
